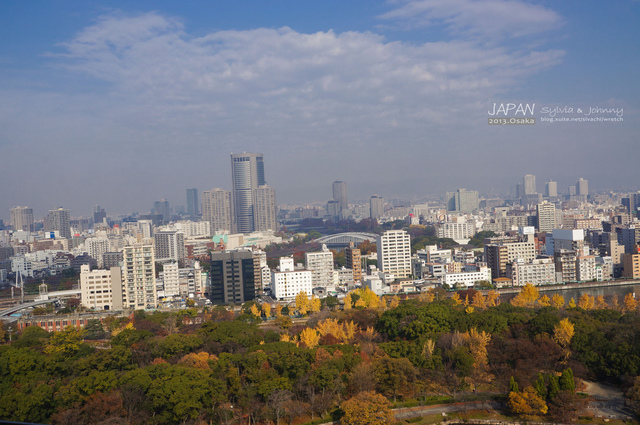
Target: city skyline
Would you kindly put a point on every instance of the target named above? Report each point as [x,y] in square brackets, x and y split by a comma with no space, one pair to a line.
[124,103]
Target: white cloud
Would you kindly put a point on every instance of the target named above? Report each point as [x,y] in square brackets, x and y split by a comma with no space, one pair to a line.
[492,18]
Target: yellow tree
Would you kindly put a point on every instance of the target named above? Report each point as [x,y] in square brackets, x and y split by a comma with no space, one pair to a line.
[586,302]
[350,329]
[601,303]
[527,296]
[302,303]
[469,309]
[285,337]
[278,310]
[309,337]
[527,403]
[370,299]
[348,302]
[492,298]
[544,301]
[367,408]
[456,299]
[428,296]
[66,342]
[254,310]
[266,309]
[557,301]
[331,327]
[315,304]
[394,302]
[562,334]
[572,303]
[361,303]
[630,303]
[614,302]
[479,301]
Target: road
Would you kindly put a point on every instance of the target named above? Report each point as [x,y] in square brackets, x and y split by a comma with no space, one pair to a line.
[608,401]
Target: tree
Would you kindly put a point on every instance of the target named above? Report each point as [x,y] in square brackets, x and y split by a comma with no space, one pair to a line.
[255,310]
[309,337]
[492,298]
[527,296]
[601,303]
[572,303]
[266,309]
[567,382]
[630,303]
[586,302]
[315,304]
[394,302]
[348,303]
[544,301]
[527,403]
[66,342]
[366,408]
[557,301]
[479,301]
[302,303]
[562,334]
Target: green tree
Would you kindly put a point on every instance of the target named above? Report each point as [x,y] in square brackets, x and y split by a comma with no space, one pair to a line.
[66,342]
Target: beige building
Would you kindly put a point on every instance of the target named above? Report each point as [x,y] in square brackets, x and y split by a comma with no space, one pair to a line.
[216,209]
[139,277]
[394,253]
[101,289]
[631,266]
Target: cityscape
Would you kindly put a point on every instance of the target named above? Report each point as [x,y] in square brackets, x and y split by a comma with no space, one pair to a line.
[357,213]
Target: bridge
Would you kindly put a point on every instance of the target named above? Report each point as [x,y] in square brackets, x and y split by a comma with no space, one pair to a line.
[5,315]
[342,240]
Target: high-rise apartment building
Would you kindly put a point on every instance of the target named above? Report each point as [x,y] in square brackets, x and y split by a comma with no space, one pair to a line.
[233,276]
[96,248]
[22,219]
[546,217]
[192,202]
[340,196]
[376,205]
[265,209]
[320,264]
[99,214]
[139,277]
[59,219]
[551,189]
[169,246]
[353,261]
[216,209]
[582,187]
[247,174]
[161,208]
[462,200]
[529,184]
[394,253]
[499,252]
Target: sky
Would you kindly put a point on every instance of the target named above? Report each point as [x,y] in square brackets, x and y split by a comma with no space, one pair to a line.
[122,103]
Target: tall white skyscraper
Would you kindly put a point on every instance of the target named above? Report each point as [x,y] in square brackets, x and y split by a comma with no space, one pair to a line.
[22,218]
[546,217]
[247,174]
[529,184]
[265,209]
[394,253]
[139,277]
[376,205]
[340,196]
[216,209]
[551,189]
[582,187]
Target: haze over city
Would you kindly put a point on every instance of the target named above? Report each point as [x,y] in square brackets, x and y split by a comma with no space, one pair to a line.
[121,104]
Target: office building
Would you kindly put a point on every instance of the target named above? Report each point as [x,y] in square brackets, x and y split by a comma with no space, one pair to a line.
[500,252]
[546,217]
[265,209]
[232,276]
[467,279]
[376,207]
[353,260]
[161,208]
[394,253]
[139,277]
[582,187]
[96,248]
[59,220]
[540,271]
[529,184]
[320,264]
[462,200]
[340,196]
[192,203]
[22,219]
[169,246]
[551,189]
[247,174]
[216,209]
[287,281]
[101,289]
[631,265]
[99,214]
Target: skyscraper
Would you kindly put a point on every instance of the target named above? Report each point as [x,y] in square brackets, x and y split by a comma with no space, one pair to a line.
[22,218]
[233,276]
[192,202]
[161,207]
[376,207]
[340,196]
[462,200]
[529,184]
[546,217]
[247,174]
[59,220]
[582,187]
[216,209]
[265,209]
[394,253]
[551,189]
[139,277]
[99,214]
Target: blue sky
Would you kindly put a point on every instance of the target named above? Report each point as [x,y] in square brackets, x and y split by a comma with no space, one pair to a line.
[124,103]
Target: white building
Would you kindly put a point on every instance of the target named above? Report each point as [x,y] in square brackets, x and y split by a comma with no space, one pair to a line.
[321,266]
[139,277]
[288,282]
[540,271]
[458,231]
[101,289]
[169,246]
[467,279]
[193,229]
[170,279]
[394,253]
[96,247]
[586,268]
